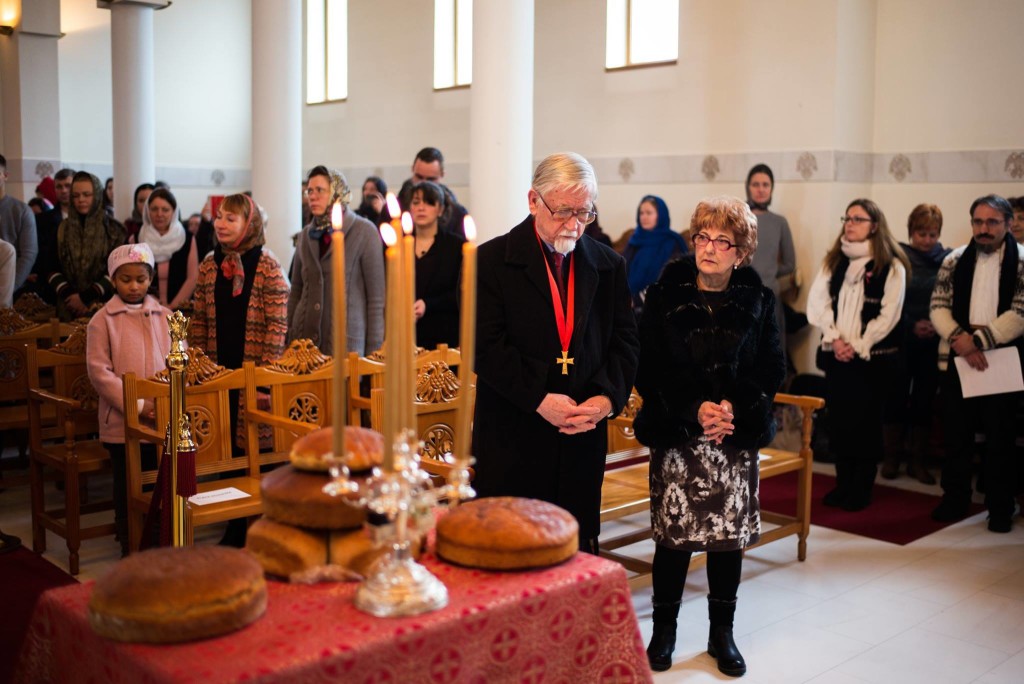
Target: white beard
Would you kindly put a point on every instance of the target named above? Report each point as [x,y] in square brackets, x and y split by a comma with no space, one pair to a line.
[563,245]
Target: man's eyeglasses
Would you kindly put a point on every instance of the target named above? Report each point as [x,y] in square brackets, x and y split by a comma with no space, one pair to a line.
[854,219]
[721,244]
[987,223]
[311,191]
[584,216]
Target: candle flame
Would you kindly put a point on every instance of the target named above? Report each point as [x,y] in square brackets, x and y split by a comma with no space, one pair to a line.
[406,223]
[388,234]
[392,202]
[336,216]
[469,227]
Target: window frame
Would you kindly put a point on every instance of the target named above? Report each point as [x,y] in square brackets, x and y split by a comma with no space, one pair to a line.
[455,51]
[631,65]
[326,56]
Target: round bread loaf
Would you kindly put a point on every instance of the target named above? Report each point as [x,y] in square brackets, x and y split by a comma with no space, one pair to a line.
[170,595]
[507,533]
[283,550]
[314,451]
[296,497]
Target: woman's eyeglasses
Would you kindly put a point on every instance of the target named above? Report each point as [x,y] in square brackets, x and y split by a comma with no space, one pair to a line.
[721,244]
[843,220]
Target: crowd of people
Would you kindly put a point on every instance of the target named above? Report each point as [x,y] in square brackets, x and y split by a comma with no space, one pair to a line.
[567,326]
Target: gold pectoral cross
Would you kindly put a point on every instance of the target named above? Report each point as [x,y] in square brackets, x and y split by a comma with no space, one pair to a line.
[566,362]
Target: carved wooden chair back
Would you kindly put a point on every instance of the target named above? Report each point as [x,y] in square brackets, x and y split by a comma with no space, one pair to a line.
[15,332]
[209,394]
[298,386]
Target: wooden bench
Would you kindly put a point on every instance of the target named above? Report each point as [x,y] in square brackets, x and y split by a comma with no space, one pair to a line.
[626,489]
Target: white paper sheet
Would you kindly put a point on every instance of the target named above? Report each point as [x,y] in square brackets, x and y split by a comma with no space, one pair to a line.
[1002,375]
[217,496]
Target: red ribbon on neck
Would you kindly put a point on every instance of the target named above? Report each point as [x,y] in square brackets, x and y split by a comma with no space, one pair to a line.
[565,317]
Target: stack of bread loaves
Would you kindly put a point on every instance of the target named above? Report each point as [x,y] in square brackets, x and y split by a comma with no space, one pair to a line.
[303,528]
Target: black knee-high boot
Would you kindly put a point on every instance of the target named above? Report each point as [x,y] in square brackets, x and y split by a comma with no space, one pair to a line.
[663,640]
[720,642]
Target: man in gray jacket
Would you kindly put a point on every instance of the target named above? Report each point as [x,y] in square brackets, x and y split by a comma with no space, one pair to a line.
[310,304]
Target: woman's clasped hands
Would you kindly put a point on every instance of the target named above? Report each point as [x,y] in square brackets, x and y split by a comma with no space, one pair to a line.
[716,420]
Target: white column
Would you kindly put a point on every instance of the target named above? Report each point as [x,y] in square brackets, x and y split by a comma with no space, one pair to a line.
[30,110]
[134,113]
[277,119]
[501,114]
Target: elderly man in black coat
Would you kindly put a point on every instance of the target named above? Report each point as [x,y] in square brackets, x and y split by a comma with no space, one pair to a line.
[557,350]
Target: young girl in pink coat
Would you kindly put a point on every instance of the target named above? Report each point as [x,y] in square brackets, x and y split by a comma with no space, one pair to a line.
[128,334]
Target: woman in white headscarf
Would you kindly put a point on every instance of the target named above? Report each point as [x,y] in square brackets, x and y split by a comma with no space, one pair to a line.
[174,249]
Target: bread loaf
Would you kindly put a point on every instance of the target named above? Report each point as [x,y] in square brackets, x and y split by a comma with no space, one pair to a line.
[315,450]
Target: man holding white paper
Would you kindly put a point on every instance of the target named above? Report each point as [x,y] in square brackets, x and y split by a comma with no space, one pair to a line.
[978,306]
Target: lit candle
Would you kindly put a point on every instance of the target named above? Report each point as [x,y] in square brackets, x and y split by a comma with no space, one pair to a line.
[409,323]
[467,340]
[392,343]
[338,332]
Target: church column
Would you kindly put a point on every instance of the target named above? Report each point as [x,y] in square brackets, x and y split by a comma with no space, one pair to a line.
[277,119]
[134,102]
[30,113]
[501,114]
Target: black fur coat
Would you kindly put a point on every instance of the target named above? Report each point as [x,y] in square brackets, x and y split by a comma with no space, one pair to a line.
[689,355]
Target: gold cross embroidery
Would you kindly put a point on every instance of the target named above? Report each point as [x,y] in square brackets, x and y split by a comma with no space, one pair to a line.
[566,362]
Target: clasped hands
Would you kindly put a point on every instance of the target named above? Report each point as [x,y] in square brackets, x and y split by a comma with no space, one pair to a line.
[716,419]
[843,350]
[963,345]
[571,418]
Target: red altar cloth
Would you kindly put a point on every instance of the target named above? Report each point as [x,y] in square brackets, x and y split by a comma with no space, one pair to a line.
[572,624]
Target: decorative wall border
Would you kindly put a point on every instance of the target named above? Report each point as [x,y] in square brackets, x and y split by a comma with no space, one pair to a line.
[794,166]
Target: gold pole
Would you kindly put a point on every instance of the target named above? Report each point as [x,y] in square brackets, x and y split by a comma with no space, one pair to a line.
[177,361]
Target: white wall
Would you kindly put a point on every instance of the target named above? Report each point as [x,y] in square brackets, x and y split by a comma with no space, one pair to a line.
[202,55]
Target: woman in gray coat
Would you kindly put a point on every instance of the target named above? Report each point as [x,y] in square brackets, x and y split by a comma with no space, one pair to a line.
[310,303]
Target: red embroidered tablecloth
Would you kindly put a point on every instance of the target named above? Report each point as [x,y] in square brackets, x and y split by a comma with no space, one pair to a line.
[571,624]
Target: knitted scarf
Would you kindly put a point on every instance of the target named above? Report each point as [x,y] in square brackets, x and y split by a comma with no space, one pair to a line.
[963,280]
[653,247]
[253,236]
[340,192]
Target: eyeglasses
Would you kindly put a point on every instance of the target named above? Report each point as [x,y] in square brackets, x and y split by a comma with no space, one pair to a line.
[721,243]
[854,219]
[987,223]
[310,191]
[584,216]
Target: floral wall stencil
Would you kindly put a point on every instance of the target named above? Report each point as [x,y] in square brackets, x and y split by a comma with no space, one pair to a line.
[217,176]
[710,167]
[44,169]
[806,165]
[1015,165]
[900,166]
[626,169]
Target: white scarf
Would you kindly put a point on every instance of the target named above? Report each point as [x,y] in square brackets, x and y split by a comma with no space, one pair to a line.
[851,295]
[163,246]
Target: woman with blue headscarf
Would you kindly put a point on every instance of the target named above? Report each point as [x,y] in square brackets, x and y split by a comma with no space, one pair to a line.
[652,245]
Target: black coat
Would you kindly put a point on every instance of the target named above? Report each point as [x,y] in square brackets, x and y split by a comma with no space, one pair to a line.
[689,355]
[518,452]
[437,284]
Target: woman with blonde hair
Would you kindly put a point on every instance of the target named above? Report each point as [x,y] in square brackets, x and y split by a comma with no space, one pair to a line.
[857,300]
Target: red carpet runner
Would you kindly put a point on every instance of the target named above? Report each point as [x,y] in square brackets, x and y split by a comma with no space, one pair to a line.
[897,516]
[24,575]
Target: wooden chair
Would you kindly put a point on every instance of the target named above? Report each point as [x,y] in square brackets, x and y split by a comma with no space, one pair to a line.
[359,367]
[437,402]
[626,488]
[15,331]
[299,384]
[67,448]
[208,404]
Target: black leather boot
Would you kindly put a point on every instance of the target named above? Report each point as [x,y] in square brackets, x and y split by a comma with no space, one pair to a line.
[720,642]
[663,640]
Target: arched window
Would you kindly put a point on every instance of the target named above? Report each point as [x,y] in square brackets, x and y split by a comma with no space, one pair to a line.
[326,50]
[641,32]
[453,43]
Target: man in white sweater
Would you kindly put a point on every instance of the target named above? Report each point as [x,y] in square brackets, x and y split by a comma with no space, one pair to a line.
[978,305]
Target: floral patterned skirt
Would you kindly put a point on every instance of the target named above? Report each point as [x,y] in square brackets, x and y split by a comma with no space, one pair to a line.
[704,497]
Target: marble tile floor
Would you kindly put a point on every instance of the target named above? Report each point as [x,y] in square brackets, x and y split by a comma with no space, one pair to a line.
[946,608]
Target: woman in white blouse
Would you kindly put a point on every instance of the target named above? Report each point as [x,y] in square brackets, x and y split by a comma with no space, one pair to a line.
[856,300]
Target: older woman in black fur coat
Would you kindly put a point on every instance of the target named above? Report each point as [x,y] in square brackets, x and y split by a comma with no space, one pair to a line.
[710,364]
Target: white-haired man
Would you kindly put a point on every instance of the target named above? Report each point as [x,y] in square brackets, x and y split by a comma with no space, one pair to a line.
[557,349]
